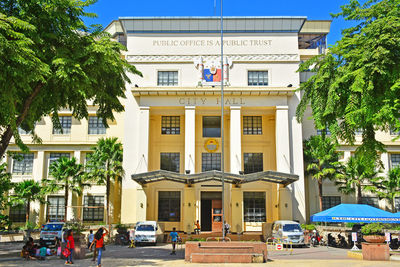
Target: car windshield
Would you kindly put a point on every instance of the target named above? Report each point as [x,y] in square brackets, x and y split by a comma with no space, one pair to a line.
[145,227]
[52,227]
[292,228]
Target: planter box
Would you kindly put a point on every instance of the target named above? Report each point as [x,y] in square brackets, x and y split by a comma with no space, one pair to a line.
[375,252]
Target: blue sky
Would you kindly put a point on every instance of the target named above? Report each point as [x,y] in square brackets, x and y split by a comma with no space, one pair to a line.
[108,10]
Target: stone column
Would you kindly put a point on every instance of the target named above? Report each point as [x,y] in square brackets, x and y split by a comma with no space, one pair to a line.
[189,209]
[282,139]
[143,149]
[235,140]
[190,113]
[283,158]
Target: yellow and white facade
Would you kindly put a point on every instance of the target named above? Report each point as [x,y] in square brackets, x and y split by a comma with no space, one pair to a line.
[171,126]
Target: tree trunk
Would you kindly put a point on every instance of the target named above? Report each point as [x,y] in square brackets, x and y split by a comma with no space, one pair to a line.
[393,205]
[28,207]
[359,194]
[5,140]
[320,193]
[28,230]
[6,137]
[108,204]
[66,201]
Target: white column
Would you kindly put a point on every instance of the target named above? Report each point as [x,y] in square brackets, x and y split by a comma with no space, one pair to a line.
[298,188]
[38,169]
[282,139]
[385,161]
[143,149]
[236,140]
[190,132]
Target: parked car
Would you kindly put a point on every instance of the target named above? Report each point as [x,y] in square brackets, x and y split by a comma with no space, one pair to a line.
[147,232]
[288,231]
[50,231]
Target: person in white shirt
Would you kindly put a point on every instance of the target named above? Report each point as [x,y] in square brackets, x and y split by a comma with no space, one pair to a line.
[90,238]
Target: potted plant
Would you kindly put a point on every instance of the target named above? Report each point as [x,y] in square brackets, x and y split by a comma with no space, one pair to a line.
[373,233]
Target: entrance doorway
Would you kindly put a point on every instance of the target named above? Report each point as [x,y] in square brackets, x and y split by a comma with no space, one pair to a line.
[211,211]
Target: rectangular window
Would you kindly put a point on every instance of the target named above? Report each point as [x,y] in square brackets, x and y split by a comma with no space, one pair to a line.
[330,201]
[96,125]
[252,125]
[372,201]
[358,132]
[23,163]
[56,156]
[397,204]
[326,130]
[258,78]
[253,162]
[170,162]
[254,207]
[393,132]
[169,206]
[66,122]
[167,78]
[210,162]
[93,208]
[17,213]
[55,208]
[211,126]
[394,160]
[170,125]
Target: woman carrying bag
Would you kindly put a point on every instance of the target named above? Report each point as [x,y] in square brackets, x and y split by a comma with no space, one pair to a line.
[99,241]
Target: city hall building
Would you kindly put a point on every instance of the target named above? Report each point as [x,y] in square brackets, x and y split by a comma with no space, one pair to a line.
[171,128]
[172,136]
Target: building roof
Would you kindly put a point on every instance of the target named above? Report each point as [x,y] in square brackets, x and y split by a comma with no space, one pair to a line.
[266,176]
[212,24]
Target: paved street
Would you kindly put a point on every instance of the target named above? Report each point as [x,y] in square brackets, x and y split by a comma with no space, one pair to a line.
[159,256]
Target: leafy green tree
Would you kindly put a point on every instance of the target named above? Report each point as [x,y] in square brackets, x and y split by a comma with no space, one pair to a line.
[105,166]
[50,60]
[68,175]
[5,187]
[387,187]
[357,83]
[358,173]
[27,191]
[322,160]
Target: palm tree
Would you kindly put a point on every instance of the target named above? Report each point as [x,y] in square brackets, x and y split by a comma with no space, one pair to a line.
[67,175]
[387,187]
[322,160]
[27,191]
[357,175]
[105,165]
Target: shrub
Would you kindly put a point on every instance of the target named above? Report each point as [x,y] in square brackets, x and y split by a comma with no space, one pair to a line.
[308,227]
[372,229]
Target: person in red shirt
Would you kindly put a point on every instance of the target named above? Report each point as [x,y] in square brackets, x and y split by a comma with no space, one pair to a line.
[70,246]
[99,241]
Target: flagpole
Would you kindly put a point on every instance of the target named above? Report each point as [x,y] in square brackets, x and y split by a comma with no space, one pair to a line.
[222,125]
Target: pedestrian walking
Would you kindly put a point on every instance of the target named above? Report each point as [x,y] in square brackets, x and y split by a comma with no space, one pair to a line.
[174,239]
[99,241]
[70,246]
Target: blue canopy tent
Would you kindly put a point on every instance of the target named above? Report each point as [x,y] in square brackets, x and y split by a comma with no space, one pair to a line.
[355,213]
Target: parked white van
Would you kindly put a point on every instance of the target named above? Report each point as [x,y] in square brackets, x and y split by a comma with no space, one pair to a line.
[288,231]
[147,232]
[50,231]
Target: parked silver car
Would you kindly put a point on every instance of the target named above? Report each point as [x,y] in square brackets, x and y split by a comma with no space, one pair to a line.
[288,232]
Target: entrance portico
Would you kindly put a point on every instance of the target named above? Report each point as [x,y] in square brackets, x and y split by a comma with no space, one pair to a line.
[198,197]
